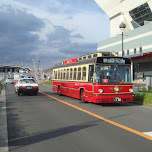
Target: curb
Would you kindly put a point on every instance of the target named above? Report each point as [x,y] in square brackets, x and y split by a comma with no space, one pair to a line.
[3,123]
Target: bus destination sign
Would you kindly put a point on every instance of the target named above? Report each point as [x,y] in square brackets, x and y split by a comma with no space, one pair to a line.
[114,60]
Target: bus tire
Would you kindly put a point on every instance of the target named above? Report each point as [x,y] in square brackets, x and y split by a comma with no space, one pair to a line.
[18,93]
[82,95]
[59,90]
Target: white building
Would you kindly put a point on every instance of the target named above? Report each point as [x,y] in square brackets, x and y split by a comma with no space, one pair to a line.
[137,15]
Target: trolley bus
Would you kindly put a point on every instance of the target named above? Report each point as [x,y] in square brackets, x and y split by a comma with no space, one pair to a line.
[97,78]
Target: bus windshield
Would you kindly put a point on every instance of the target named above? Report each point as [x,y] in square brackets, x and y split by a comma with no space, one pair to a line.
[113,74]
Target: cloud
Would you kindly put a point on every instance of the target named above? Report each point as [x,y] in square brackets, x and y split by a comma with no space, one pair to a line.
[49,30]
[16,38]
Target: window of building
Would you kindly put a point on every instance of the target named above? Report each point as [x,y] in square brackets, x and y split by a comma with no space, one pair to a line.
[94,55]
[58,74]
[75,73]
[80,59]
[84,73]
[67,74]
[135,51]
[79,74]
[127,52]
[84,57]
[141,14]
[89,56]
[71,71]
[140,50]
[64,74]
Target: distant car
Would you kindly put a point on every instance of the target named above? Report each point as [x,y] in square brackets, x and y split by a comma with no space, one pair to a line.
[16,77]
[9,81]
[26,85]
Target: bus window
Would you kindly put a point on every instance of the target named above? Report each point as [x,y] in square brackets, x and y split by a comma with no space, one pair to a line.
[91,71]
[64,73]
[61,74]
[71,70]
[58,74]
[79,74]
[84,73]
[67,74]
[55,74]
[75,73]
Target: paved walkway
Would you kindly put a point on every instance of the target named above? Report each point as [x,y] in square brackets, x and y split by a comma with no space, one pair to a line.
[3,123]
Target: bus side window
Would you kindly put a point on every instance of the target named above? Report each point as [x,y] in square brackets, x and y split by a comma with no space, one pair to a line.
[67,74]
[84,73]
[58,74]
[71,70]
[75,73]
[79,74]
[55,74]
[64,73]
[91,71]
[61,74]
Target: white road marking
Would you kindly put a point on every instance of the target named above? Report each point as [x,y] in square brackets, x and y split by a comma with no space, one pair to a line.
[148,133]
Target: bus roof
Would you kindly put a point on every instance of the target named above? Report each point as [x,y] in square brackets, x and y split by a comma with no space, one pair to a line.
[118,60]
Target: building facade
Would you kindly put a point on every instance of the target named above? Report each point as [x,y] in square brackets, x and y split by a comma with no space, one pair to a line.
[137,36]
[9,68]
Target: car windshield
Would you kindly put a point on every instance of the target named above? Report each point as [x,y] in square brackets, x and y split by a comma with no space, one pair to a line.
[27,81]
[113,74]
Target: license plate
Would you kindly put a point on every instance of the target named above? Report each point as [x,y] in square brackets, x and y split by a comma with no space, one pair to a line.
[28,87]
[116,99]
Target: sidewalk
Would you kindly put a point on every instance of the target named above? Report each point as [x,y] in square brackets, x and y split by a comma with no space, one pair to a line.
[3,123]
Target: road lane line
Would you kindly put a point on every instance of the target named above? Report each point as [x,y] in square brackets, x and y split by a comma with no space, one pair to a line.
[102,118]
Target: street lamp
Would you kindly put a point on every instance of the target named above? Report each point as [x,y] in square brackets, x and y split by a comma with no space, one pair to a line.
[122,27]
[34,67]
[38,66]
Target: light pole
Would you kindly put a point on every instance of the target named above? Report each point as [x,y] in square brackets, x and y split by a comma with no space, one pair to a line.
[38,66]
[122,27]
[34,67]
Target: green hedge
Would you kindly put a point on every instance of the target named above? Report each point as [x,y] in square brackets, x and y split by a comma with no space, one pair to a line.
[145,90]
[48,82]
[145,99]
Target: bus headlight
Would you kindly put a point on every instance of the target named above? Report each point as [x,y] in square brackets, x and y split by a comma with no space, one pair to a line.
[131,90]
[100,90]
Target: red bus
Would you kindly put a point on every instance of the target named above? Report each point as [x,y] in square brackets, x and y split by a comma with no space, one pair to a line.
[96,78]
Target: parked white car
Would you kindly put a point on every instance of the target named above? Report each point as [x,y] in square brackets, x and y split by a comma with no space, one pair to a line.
[26,85]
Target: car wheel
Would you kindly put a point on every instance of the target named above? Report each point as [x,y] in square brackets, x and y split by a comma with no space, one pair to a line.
[18,93]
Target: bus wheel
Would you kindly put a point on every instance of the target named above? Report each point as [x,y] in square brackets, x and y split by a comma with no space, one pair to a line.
[83,96]
[59,90]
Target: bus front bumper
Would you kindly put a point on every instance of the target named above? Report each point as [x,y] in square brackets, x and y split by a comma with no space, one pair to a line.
[113,98]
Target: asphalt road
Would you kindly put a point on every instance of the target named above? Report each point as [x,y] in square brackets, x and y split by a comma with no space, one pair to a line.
[43,124]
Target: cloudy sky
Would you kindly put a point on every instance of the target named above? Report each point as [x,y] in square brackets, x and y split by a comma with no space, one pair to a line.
[49,30]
